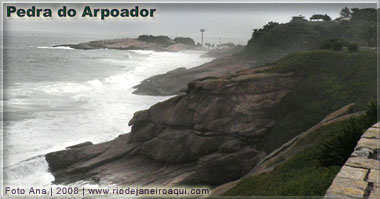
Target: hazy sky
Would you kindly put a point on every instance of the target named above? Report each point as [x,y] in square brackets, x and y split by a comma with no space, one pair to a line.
[229,22]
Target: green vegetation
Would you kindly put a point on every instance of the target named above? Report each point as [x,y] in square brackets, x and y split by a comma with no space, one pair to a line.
[345,12]
[160,40]
[327,80]
[337,46]
[353,47]
[299,176]
[310,172]
[185,40]
[338,147]
[165,41]
[275,40]
[331,72]
[229,44]
[320,17]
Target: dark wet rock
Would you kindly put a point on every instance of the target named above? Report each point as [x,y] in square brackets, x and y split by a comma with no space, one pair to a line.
[230,146]
[224,168]
[80,145]
[206,136]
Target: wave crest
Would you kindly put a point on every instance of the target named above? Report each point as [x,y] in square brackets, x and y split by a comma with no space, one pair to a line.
[56,47]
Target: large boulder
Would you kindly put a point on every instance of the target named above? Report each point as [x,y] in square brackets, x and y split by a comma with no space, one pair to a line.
[206,136]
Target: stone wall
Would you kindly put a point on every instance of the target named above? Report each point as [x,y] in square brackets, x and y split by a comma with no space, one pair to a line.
[359,177]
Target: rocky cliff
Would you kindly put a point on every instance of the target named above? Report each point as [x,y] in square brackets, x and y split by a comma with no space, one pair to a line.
[206,136]
[221,127]
[175,82]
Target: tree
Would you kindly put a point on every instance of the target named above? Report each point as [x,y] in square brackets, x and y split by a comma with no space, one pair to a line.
[270,25]
[320,17]
[161,40]
[353,47]
[299,18]
[366,14]
[326,45]
[315,17]
[227,45]
[337,46]
[345,12]
[185,40]
[326,18]
[258,32]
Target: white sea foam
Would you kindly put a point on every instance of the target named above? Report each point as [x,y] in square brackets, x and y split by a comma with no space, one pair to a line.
[56,47]
[64,113]
[143,52]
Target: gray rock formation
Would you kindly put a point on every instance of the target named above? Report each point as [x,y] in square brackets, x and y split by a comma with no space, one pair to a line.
[129,44]
[175,82]
[223,52]
[206,136]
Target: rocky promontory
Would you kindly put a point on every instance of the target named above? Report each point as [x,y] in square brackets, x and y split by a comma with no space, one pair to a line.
[175,82]
[222,127]
[206,136]
[143,42]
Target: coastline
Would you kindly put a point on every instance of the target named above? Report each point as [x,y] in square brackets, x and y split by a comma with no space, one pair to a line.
[77,97]
[198,138]
[279,116]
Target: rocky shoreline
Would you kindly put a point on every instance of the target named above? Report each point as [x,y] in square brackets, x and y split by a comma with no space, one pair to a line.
[196,141]
[217,130]
[175,82]
[230,118]
[131,44]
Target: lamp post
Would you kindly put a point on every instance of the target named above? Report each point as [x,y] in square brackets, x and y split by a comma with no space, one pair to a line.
[202,31]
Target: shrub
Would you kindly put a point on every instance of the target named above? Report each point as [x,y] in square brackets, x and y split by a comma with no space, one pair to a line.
[337,149]
[326,45]
[353,47]
[185,40]
[296,177]
[337,46]
[160,40]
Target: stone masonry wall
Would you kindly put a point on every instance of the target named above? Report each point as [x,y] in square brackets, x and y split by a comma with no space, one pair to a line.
[359,177]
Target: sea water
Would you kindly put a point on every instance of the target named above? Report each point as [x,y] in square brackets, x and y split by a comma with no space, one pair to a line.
[55,97]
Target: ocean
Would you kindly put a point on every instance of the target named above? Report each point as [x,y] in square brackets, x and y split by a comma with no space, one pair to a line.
[55,97]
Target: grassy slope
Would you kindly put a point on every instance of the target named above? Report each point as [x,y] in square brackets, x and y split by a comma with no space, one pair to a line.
[299,176]
[328,81]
